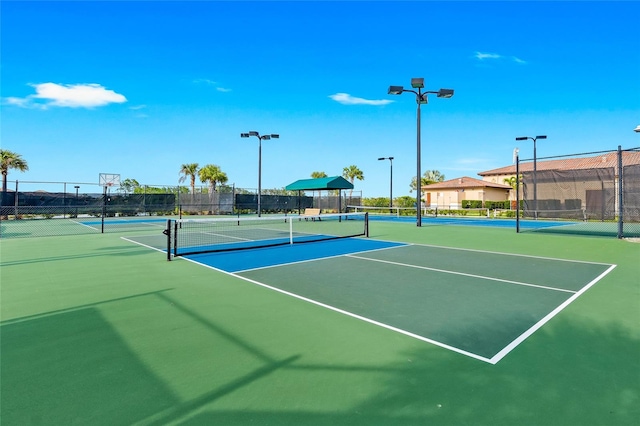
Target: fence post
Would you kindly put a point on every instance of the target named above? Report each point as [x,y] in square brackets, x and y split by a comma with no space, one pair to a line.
[517,193]
[620,195]
[104,207]
[15,202]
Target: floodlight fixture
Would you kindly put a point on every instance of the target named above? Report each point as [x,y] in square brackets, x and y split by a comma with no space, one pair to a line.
[417,83]
[522,138]
[445,93]
[254,133]
[395,90]
[244,135]
[275,136]
[265,137]
[423,99]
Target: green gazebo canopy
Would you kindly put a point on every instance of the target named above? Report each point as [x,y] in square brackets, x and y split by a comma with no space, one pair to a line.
[327,183]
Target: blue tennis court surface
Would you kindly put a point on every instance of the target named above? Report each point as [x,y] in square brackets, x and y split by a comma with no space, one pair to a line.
[477,221]
[121,221]
[265,257]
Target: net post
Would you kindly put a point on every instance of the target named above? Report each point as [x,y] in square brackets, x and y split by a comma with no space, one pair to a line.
[167,232]
[291,230]
[366,224]
[175,238]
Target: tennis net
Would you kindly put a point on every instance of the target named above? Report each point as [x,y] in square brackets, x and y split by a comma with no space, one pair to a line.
[192,236]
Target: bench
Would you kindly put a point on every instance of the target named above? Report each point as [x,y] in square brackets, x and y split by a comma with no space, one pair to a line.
[311,213]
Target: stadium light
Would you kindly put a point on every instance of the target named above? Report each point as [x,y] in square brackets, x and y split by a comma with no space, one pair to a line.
[391,179]
[260,139]
[535,179]
[421,98]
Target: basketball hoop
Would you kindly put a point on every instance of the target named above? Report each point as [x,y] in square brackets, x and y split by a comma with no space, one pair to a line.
[109,179]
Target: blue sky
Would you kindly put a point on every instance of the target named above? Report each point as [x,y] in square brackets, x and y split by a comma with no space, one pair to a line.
[139,88]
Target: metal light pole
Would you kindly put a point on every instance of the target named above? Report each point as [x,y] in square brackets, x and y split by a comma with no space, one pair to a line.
[535,178]
[421,98]
[390,179]
[260,139]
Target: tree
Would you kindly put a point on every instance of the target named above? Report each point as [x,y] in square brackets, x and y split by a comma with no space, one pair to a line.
[352,173]
[428,177]
[512,182]
[317,175]
[189,170]
[129,186]
[213,175]
[10,160]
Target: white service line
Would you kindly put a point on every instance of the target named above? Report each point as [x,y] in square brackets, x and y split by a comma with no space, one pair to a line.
[445,271]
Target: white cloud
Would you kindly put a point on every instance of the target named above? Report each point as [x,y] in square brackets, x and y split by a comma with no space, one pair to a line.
[21,102]
[347,99]
[212,83]
[70,96]
[481,56]
[205,81]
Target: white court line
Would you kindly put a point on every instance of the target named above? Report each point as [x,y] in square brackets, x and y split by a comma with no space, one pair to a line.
[143,245]
[445,271]
[215,234]
[511,346]
[507,254]
[80,223]
[310,260]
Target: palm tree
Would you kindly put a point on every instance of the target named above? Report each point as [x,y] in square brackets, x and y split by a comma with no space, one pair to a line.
[10,160]
[432,176]
[351,173]
[212,174]
[428,177]
[513,183]
[189,170]
[317,175]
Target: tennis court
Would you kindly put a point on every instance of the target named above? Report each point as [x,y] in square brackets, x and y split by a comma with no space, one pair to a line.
[410,326]
[479,304]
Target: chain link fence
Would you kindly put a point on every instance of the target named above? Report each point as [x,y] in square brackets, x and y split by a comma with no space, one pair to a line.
[595,193]
[63,208]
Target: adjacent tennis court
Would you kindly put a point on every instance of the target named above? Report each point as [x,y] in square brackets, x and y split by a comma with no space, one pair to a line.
[408,326]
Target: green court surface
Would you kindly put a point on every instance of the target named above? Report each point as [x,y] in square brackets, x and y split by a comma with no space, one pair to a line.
[462,326]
